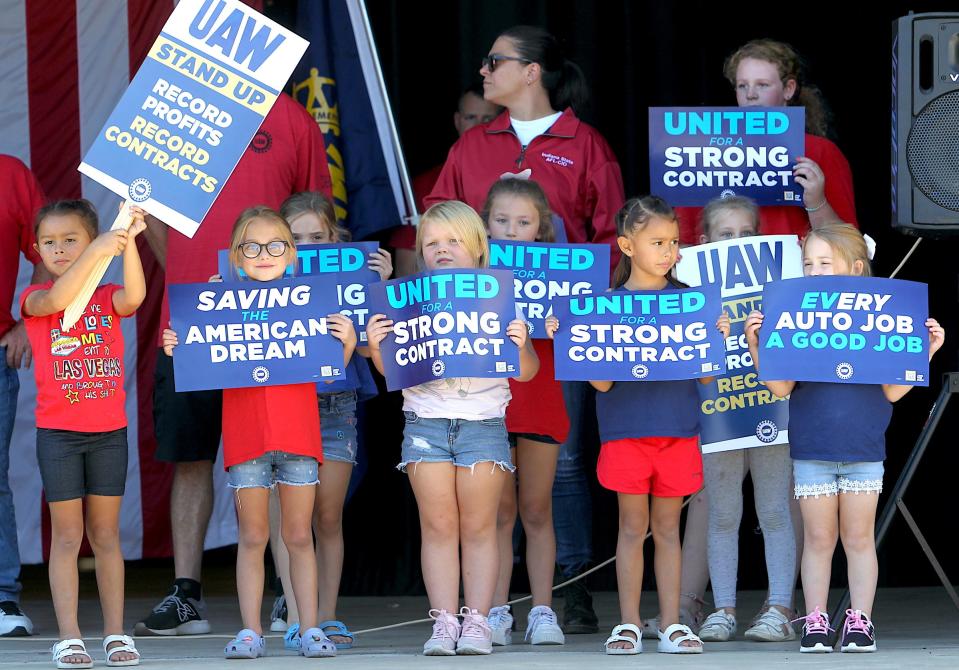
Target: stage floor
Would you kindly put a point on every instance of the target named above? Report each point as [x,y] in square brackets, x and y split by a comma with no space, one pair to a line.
[917,628]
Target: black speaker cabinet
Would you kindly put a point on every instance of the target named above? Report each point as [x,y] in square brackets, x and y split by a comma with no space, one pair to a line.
[925,124]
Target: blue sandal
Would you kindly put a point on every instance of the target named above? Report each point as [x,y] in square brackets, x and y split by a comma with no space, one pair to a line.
[337,628]
[315,644]
[246,644]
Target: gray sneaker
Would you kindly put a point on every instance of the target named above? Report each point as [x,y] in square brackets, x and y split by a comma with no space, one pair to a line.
[771,626]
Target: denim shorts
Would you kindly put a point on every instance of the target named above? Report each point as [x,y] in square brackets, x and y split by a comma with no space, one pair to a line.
[829,478]
[338,426]
[462,442]
[274,467]
[74,464]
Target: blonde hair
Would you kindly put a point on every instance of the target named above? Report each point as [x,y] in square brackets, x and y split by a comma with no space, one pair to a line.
[466,225]
[248,216]
[315,202]
[790,66]
[533,192]
[845,241]
[716,208]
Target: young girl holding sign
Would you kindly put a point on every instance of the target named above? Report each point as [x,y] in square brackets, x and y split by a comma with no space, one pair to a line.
[650,448]
[517,210]
[313,221]
[456,451]
[82,434]
[271,435]
[837,442]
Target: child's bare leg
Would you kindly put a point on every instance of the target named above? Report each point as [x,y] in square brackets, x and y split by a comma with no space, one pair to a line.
[633,525]
[478,491]
[103,531]
[328,523]
[668,559]
[253,512]
[821,530]
[857,528]
[505,523]
[296,505]
[537,469]
[66,525]
[434,485]
[281,558]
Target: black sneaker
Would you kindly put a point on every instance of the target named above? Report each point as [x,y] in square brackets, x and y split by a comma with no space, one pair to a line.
[815,633]
[578,615]
[176,614]
[13,622]
[858,634]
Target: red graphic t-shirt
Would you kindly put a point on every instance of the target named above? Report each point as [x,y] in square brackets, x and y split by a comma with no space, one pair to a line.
[79,372]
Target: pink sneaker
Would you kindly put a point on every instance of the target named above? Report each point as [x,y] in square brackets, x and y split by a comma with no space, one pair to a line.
[446,632]
[476,636]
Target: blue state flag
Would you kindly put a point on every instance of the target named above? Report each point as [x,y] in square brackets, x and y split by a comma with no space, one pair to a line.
[339,83]
[855,330]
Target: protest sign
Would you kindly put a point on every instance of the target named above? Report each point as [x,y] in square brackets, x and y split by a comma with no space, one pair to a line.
[544,272]
[182,125]
[235,334]
[700,153]
[447,323]
[857,330]
[346,262]
[630,335]
[738,411]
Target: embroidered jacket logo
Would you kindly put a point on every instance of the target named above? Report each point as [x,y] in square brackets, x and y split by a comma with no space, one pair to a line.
[562,161]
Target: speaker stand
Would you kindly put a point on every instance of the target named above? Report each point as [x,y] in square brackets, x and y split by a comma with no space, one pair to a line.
[895,502]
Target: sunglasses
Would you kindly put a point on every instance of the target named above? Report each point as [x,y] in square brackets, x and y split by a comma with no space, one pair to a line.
[493,60]
[276,248]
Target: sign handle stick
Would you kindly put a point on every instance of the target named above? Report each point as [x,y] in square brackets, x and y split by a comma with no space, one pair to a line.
[79,303]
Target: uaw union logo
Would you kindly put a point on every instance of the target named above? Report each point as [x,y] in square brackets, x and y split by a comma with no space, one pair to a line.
[767,431]
[140,189]
[315,93]
[727,193]
[260,374]
[438,368]
[640,371]
[844,370]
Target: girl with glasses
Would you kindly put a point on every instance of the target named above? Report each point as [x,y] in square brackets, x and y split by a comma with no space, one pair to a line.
[271,435]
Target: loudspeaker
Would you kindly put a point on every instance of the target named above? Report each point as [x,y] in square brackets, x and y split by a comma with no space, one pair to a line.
[925,124]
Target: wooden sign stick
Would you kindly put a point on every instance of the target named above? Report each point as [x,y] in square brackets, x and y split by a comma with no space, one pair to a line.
[79,303]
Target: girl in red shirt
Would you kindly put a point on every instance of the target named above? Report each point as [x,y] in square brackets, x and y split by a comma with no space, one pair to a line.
[271,435]
[516,209]
[81,424]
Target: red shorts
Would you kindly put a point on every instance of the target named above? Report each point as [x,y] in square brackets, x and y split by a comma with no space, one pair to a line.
[666,467]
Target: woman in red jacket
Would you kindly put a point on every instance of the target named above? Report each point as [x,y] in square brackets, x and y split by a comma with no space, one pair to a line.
[540,137]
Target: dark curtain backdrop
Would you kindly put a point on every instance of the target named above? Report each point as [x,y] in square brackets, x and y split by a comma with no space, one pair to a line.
[636,55]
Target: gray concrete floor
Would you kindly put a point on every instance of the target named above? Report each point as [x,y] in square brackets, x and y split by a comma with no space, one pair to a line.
[917,628]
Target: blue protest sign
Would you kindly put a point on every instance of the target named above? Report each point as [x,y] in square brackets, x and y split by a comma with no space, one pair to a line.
[347,262]
[738,411]
[700,153]
[235,334]
[447,323]
[630,335]
[545,272]
[182,125]
[859,330]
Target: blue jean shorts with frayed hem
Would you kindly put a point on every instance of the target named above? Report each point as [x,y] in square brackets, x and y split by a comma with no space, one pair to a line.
[274,467]
[462,442]
[813,479]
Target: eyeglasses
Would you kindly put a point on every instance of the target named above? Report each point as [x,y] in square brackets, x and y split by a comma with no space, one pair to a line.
[492,60]
[276,248]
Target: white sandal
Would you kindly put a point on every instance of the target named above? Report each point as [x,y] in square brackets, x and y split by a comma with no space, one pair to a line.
[668,646]
[65,648]
[126,645]
[617,636]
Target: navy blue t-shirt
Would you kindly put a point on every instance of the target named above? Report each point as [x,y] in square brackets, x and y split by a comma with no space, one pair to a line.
[838,422]
[648,409]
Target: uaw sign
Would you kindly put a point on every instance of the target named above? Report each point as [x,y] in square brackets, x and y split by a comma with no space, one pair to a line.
[182,125]
[738,411]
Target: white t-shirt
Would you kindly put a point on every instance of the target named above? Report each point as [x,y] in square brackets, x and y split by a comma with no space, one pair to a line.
[471,398]
[527,130]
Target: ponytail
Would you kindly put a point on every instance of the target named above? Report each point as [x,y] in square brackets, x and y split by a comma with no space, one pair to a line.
[563,80]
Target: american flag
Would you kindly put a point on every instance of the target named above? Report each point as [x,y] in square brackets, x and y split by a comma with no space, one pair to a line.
[63,67]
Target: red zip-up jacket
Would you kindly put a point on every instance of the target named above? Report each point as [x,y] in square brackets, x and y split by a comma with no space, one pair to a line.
[571,161]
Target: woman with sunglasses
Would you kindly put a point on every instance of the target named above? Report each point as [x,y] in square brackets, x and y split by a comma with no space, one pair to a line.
[540,137]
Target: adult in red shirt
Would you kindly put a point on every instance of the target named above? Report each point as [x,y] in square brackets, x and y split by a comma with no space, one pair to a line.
[540,136]
[471,110]
[767,73]
[20,199]
[286,156]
